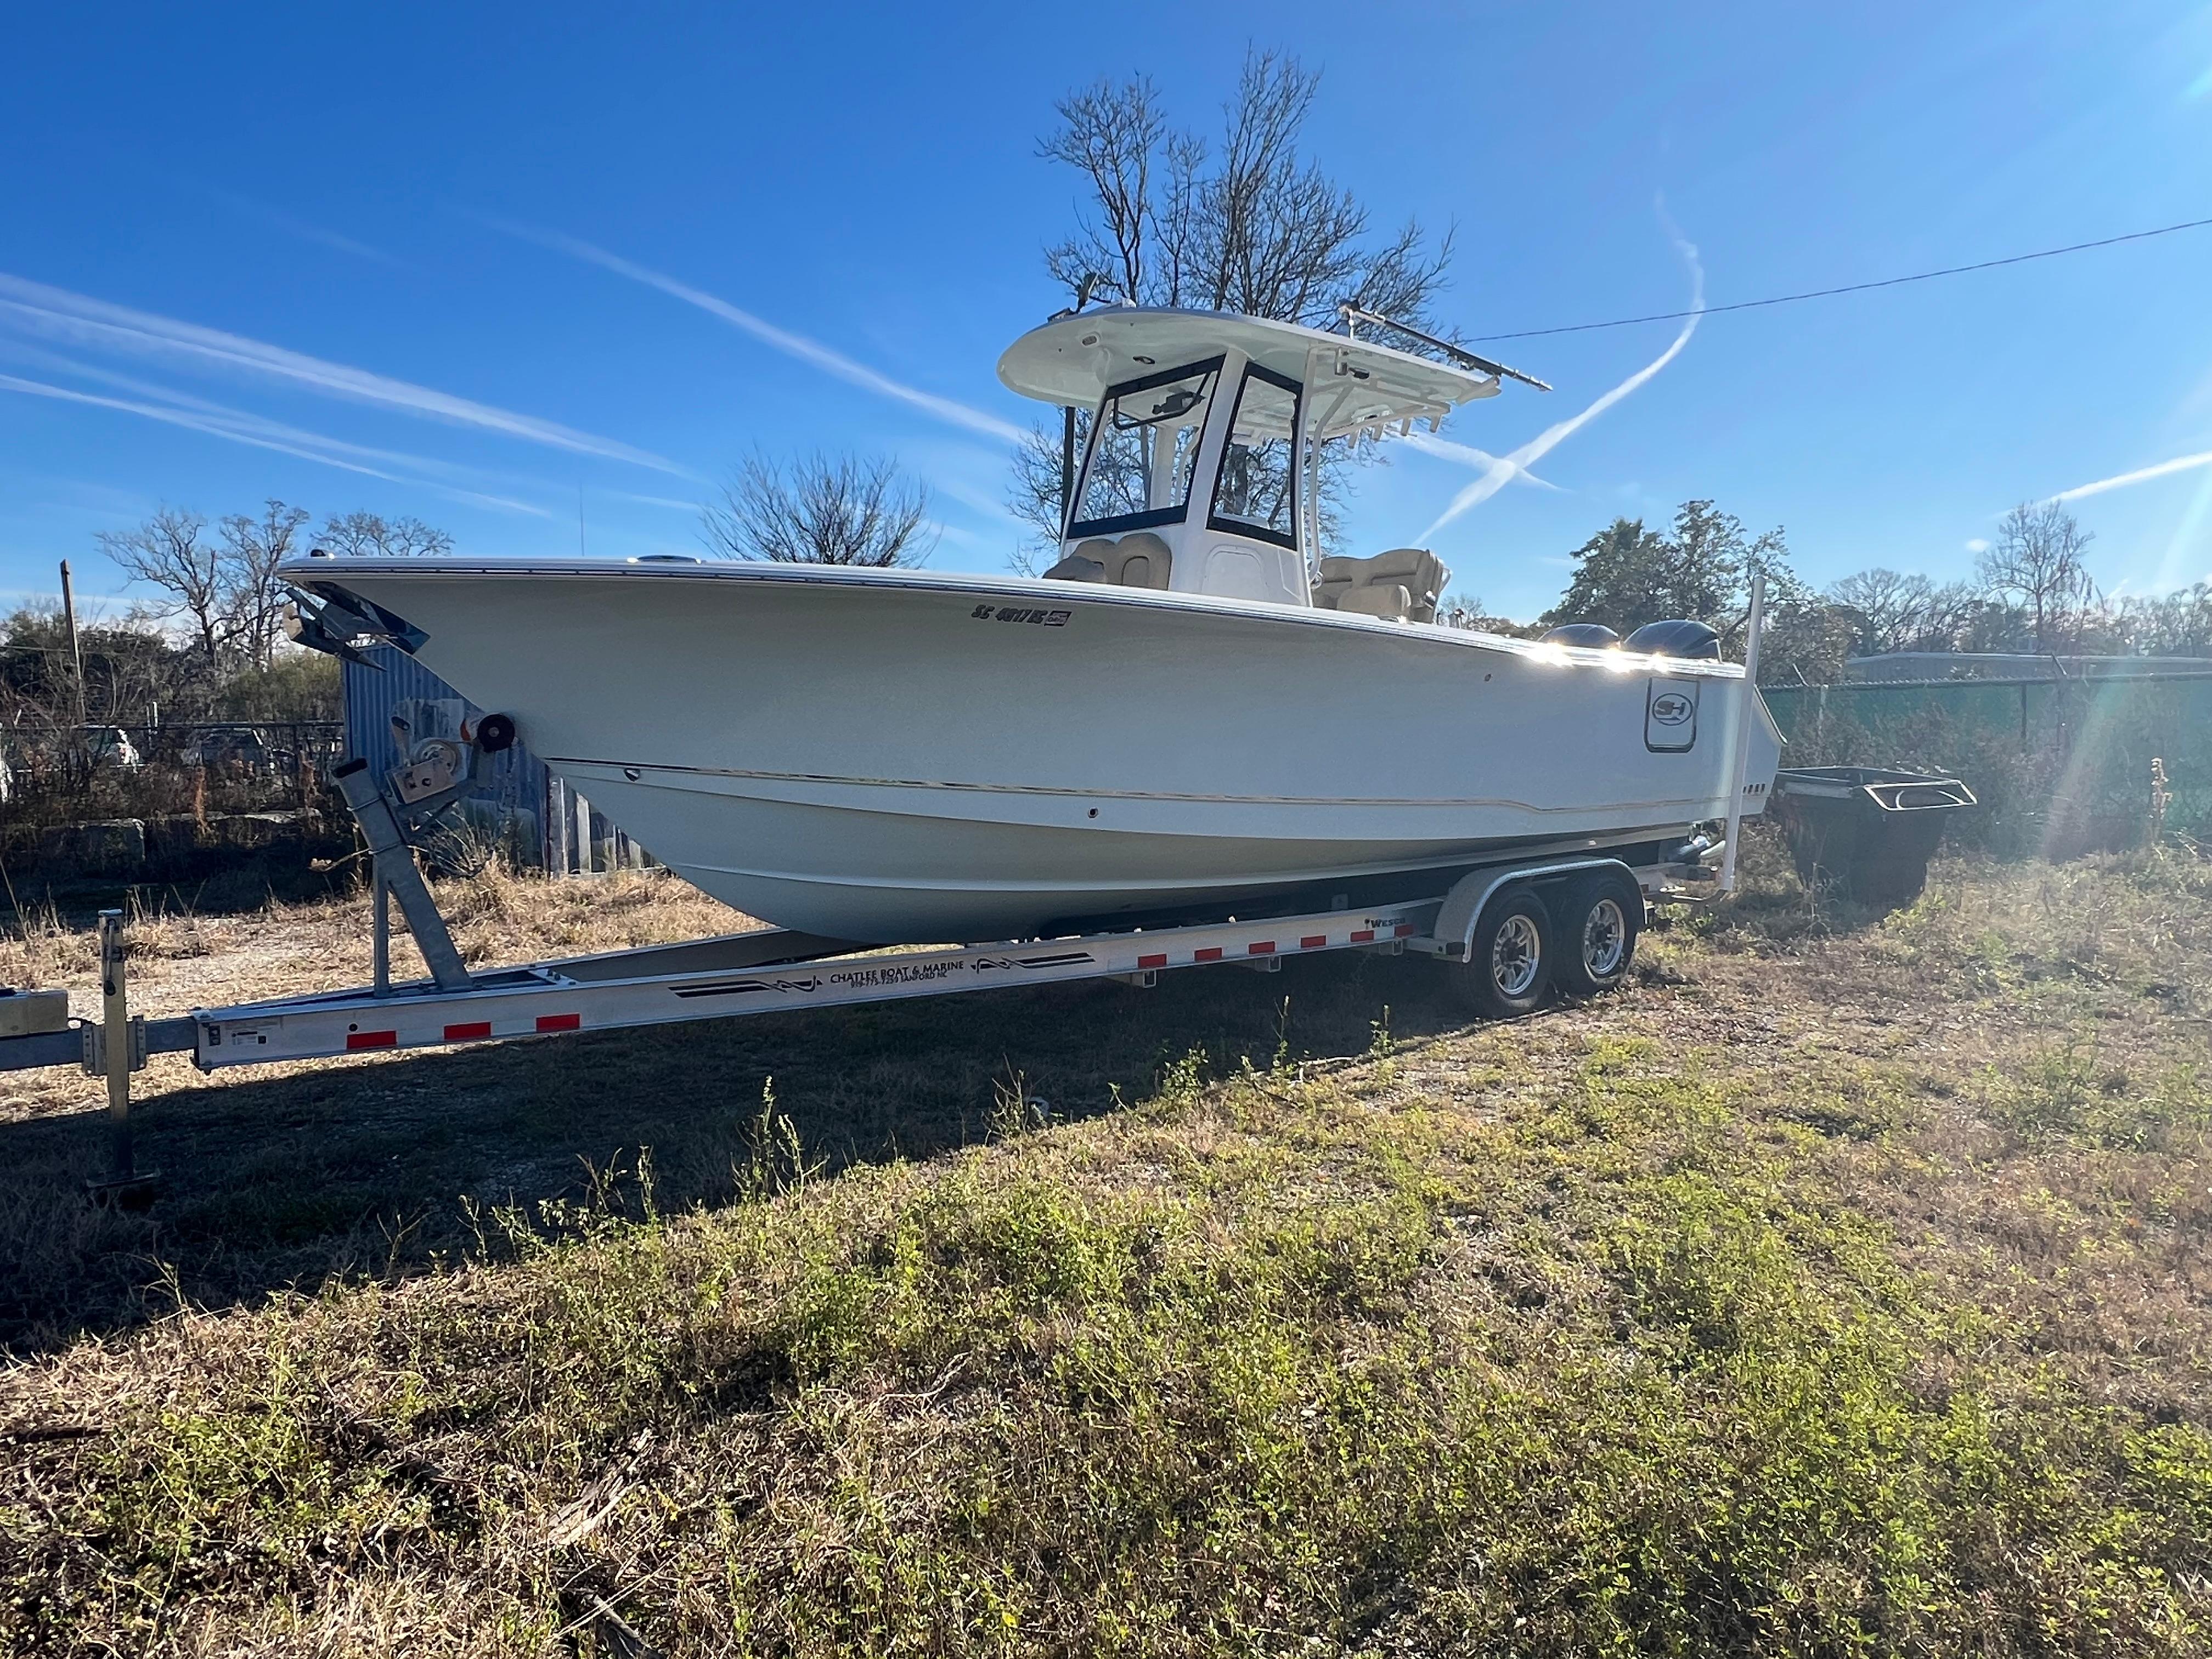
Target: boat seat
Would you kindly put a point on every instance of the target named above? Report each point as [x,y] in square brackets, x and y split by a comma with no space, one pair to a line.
[1139,559]
[1402,585]
[1375,599]
[1077,567]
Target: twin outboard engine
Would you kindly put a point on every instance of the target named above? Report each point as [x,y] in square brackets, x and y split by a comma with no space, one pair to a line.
[1688,640]
[1596,635]
[1691,641]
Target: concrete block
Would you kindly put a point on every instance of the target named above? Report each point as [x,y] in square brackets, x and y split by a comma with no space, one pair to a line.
[31,1013]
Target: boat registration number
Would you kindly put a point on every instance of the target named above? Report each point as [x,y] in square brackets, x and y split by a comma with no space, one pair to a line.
[1016,613]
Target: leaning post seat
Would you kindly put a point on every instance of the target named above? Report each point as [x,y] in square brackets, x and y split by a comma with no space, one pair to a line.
[1389,601]
[1400,585]
[1139,559]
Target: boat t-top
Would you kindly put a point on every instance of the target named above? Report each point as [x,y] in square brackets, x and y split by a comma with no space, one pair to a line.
[1195,709]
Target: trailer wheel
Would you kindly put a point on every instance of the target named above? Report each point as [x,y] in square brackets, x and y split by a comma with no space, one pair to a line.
[1508,969]
[1599,920]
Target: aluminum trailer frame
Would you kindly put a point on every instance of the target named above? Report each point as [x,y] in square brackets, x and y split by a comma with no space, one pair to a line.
[758,973]
[772,970]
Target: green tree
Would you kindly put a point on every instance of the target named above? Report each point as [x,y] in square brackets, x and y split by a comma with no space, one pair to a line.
[1623,577]
[1701,568]
[1627,574]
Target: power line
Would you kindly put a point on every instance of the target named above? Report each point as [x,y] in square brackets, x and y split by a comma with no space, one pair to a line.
[1849,288]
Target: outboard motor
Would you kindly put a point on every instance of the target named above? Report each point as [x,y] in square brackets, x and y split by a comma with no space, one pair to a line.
[1595,634]
[1688,641]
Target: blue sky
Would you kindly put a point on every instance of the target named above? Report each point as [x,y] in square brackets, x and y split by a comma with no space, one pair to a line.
[349,257]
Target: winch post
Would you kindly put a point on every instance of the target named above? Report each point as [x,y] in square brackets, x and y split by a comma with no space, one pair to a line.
[396,873]
[115,1049]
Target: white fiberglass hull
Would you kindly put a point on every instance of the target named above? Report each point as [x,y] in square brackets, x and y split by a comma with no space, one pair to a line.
[902,756]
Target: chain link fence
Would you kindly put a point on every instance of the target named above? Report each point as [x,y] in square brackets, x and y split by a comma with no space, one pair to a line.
[2061,766]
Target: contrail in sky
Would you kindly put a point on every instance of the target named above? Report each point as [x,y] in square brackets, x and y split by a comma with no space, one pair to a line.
[1501,470]
[2142,474]
[223,415]
[1467,455]
[302,229]
[795,346]
[56,313]
[252,430]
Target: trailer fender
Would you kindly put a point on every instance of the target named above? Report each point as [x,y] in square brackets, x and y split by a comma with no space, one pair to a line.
[1463,906]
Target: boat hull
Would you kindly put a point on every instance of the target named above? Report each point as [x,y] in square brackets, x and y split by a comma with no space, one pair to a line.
[890,757]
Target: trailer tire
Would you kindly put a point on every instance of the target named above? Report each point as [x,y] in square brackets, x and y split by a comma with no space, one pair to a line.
[1508,970]
[1600,918]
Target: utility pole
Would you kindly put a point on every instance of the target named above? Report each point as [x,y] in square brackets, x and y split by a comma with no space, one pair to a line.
[76,651]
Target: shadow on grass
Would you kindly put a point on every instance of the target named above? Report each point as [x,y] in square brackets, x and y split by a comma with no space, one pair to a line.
[274,1184]
[222,889]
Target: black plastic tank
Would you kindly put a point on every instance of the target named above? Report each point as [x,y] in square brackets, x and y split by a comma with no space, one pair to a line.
[1865,831]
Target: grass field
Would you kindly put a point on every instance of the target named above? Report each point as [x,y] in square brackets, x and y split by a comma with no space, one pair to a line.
[1841,1285]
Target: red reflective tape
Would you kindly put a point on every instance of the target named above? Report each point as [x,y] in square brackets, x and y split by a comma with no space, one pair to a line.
[560,1022]
[468,1033]
[1364,936]
[1160,961]
[372,1039]
[1405,930]
[1314,942]
[1264,948]
[1212,953]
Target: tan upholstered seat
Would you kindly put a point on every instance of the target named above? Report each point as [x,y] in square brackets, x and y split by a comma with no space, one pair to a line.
[1086,564]
[1402,585]
[1139,559]
[1389,602]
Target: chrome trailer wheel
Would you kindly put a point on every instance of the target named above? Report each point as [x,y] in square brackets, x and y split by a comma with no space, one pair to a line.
[1600,918]
[1509,970]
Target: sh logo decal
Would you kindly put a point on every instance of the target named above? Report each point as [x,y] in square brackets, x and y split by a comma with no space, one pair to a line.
[1670,716]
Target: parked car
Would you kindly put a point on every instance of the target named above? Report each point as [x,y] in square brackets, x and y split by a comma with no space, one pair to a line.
[111,745]
[241,748]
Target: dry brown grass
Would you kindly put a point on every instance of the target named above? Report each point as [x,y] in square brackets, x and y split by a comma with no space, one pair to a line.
[1840,1285]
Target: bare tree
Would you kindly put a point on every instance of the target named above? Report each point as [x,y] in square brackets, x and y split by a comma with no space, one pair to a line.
[2178,624]
[820,511]
[2036,563]
[167,552]
[1892,611]
[1263,232]
[368,534]
[253,600]
[1252,227]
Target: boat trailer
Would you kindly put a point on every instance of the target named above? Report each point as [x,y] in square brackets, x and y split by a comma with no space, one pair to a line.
[773,970]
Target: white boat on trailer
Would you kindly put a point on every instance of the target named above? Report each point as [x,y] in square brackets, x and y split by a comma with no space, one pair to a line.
[1193,709]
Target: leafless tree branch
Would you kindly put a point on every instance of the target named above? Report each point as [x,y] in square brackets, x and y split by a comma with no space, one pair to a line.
[167,552]
[820,511]
[358,534]
[253,598]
